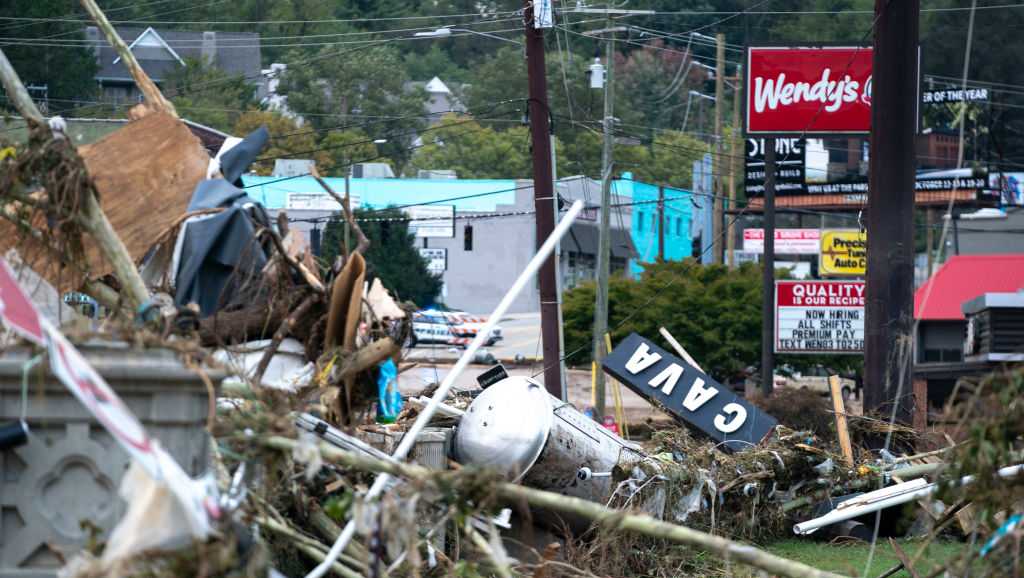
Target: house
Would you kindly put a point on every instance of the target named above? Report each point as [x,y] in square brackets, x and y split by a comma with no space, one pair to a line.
[162,52]
[440,99]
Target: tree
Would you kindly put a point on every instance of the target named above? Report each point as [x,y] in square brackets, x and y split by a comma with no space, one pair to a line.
[359,87]
[671,160]
[287,140]
[206,94]
[66,71]
[476,152]
[345,148]
[392,255]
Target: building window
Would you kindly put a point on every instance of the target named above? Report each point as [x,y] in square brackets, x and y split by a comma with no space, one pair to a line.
[467,238]
[640,222]
[679,226]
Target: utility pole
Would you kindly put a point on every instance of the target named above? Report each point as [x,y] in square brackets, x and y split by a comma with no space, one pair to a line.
[604,238]
[718,221]
[734,162]
[890,274]
[661,223]
[544,200]
[768,273]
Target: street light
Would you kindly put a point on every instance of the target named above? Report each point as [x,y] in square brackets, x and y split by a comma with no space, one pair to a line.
[447,31]
[689,99]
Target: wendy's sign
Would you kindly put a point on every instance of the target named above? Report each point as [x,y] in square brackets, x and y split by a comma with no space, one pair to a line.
[687,393]
[808,91]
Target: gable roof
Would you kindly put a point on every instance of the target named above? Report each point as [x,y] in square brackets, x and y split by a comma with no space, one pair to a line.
[233,52]
[150,33]
[964,277]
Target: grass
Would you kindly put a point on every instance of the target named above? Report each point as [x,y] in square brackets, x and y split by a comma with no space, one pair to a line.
[850,558]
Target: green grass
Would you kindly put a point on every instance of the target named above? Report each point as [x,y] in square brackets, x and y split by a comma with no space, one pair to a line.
[850,558]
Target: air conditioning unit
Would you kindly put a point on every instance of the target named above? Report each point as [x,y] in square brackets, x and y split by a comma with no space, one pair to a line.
[372,171]
[436,174]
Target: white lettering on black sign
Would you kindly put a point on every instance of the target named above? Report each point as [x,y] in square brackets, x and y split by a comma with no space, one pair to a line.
[687,393]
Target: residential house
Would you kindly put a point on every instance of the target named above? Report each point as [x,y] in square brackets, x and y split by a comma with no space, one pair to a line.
[162,52]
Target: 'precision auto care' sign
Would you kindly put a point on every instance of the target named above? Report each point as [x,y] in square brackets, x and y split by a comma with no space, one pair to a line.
[687,393]
[808,90]
[819,317]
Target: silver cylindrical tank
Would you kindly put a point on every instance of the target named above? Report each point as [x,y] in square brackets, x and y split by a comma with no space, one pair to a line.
[530,436]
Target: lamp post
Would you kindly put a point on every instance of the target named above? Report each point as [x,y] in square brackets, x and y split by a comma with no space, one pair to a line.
[448,31]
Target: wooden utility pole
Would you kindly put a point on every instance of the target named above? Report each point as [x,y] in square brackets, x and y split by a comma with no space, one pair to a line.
[543,198]
[604,236]
[768,273]
[661,223]
[734,165]
[890,274]
[719,188]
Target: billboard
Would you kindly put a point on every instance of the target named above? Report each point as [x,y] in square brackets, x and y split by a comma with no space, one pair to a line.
[431,220]
[787,241]
[808,90]
[1010,187]
[819,317]
[790,166]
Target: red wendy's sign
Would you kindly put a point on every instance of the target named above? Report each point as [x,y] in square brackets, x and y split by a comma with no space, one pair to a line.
[808,91]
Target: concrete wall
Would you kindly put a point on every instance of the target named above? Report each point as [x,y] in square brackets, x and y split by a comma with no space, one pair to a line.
[991,237]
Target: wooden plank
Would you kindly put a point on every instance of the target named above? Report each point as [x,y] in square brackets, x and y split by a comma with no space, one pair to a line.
[920,404]
[835,385]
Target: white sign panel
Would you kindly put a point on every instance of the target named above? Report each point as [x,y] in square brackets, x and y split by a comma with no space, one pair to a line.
[787,241]
[437,259]
[432,220]
[819,317]
[317,202]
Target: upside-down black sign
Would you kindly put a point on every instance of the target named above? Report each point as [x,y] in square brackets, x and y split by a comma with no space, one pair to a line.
[687,393]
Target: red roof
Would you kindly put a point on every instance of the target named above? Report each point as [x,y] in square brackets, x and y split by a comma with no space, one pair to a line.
[964,277]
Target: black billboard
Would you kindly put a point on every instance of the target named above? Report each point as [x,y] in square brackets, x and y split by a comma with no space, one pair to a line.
[790,166]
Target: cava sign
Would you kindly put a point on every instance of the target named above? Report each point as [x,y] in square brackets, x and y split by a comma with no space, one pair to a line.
[690,395]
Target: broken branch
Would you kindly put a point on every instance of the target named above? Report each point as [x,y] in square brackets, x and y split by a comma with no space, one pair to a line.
[362,243]
[608,517]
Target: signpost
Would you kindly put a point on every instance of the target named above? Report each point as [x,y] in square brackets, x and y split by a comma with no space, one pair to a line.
[819,317]
[689,394]
[437,259]
[431,220]
[808,90]
[843,252]
[787,241]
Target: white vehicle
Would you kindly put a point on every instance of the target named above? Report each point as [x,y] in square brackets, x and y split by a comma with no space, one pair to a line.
[815,379]
[430,327]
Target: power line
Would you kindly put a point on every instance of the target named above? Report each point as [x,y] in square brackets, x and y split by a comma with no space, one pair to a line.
[262,22]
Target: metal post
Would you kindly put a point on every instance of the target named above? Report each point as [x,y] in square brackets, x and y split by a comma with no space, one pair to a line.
[929,238]
[604,239]
[558,274]
[768,274]
[347,232]
[719,188]
[890,274]
[661,223]
[543,198]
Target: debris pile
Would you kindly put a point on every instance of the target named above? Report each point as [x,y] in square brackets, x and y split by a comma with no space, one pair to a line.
[308,472]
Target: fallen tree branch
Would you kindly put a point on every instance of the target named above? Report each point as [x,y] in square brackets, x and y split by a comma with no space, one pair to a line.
[149,89]
[601,515]
[299,268]
[362,243]
[17,93]
[283,331]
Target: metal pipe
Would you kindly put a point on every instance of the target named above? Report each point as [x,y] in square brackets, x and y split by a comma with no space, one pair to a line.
[446,385]
[886,498]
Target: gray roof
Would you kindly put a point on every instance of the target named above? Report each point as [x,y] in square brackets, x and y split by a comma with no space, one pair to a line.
[232,52]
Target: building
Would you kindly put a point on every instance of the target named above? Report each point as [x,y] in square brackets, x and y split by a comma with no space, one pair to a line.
[674,214]
[160,53]
[938,303]
[494,228]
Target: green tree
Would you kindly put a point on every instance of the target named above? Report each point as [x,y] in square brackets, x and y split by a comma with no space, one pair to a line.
[206,94]
[392,255]
[345,148]
[66,72]
[671,159]
[476,152]
[287,140]
[365,87]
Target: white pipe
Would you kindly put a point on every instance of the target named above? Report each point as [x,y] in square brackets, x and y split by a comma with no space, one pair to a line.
[885,498]
[446,385]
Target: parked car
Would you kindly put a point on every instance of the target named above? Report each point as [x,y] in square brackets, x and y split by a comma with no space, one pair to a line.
[451,327]
[430,327]
[814,379]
